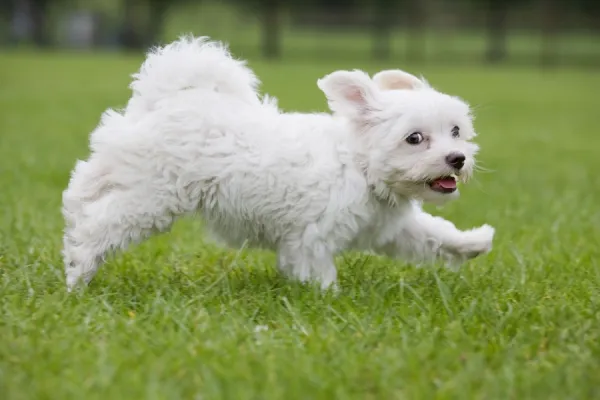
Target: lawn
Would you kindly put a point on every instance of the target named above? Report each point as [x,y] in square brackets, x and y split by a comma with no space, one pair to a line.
[177,317]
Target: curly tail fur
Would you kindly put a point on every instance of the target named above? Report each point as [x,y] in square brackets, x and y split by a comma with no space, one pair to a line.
[191,63]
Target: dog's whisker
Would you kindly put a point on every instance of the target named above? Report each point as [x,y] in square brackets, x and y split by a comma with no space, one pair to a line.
[484,170]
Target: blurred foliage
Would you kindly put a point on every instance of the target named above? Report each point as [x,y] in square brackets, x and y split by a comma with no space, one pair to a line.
[138,24]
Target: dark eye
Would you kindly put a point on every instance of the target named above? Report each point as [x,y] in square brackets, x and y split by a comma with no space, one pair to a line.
[455,132]
[414,138]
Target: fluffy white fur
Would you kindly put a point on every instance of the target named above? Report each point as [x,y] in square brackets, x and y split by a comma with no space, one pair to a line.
[196,137]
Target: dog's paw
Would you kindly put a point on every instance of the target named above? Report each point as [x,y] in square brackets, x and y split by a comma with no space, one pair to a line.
[476,242]
[472,243]
[72,283]
[76,280]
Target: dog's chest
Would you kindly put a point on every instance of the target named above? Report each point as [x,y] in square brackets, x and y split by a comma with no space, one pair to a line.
[382,222]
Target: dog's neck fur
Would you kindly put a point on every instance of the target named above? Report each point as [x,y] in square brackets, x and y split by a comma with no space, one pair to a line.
[377,188]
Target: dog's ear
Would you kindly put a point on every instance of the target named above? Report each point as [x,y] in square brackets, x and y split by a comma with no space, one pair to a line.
[351,93]
[395,79]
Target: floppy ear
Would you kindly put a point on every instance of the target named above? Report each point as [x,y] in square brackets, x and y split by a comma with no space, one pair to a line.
[395,79]
[351,93]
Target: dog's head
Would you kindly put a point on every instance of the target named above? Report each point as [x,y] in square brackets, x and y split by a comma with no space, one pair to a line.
[412,140]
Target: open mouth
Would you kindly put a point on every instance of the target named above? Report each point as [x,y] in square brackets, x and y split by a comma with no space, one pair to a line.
[444,184]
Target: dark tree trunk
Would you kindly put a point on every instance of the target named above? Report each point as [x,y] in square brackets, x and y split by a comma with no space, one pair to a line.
[39,19]
[591,11]
[382,29]
[157,14]
[271,28]
[497,19]
[550,19]
[7,9]
[415,46]
[130,36]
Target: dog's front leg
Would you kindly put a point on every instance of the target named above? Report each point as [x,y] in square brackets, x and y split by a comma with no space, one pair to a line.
[423,238]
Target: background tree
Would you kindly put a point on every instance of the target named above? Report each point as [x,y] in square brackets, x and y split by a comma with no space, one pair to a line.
[497,21]
[40,19]
[591,12]
[157,15]
[38,12]
[130,35]
[7,9]
[144,21]
[415,17]
[550,15]
[269,15]
[383,22]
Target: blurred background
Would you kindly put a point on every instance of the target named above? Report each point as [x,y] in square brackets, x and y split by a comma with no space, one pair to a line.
[526,32]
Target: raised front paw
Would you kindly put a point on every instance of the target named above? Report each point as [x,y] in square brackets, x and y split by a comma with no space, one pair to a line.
[476,242]
[471,244]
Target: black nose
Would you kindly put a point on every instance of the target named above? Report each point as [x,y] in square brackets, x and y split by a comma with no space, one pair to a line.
[456,160]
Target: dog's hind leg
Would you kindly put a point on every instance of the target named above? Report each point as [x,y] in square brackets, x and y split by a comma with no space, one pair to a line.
[107,221]
[307,262]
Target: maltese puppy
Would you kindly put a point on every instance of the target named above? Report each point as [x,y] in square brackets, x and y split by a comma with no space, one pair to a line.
[196,137]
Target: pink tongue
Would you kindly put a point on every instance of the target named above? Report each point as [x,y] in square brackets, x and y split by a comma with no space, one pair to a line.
[446,183]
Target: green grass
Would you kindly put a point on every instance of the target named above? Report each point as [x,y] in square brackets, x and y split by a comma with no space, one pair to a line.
[178,318]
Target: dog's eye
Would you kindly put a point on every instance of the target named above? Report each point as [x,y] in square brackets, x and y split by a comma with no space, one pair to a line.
[455,132]
[414,138]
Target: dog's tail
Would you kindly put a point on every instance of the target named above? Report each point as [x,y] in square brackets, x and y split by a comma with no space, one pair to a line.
[192,63]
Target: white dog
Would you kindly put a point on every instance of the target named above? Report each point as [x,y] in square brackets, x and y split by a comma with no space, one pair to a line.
[196,137]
